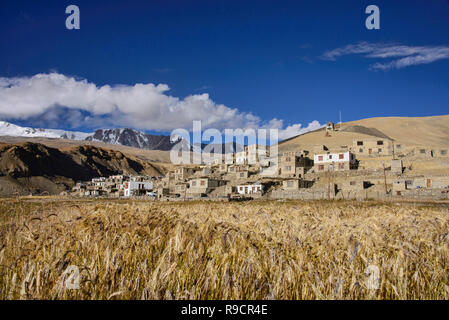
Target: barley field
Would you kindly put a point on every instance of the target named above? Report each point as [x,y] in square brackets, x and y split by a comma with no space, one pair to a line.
[107,249]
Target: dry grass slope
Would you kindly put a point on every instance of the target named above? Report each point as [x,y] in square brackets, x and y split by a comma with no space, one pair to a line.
[256,250]
[417,131]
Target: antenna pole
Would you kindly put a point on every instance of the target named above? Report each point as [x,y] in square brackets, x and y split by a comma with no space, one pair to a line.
[339,127]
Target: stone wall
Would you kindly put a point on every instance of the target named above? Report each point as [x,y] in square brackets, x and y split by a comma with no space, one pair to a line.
[308,194]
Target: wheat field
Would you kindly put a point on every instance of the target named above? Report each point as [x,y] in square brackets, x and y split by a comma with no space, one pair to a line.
[106,249]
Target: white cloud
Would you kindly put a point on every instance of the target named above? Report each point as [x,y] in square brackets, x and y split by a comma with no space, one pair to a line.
[403,56]
[142,106]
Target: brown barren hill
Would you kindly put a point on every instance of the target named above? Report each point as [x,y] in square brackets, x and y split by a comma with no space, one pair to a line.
[36,168]
[157,156]
[417,131]
[424,131]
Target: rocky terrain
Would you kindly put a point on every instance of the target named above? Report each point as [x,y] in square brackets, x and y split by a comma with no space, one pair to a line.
[125,137]
[36,168]
[133,138]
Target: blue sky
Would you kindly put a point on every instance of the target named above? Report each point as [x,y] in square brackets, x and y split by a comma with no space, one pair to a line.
[263,59]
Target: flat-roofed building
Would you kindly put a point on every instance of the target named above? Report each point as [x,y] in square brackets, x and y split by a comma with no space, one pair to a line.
[250,188]
[293,165]
[203,185]
[137,188]
[183,173]
[334,162]
[373,147]
[222,168]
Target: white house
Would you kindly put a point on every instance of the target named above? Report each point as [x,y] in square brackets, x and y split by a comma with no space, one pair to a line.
[137,188]
[334,161]
[99,182]
[229,158]
[252,154]
[250,188]
[241,157]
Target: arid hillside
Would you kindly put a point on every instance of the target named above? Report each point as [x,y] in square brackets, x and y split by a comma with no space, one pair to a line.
[419,131]
[66,144]
[36,168]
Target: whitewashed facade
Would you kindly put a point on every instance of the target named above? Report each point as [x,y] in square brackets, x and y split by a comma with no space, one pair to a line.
[250,188]
[136,186]
[334,161]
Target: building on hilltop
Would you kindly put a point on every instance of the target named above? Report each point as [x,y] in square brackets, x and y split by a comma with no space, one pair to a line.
[330,126]
[429,152]
[373,147]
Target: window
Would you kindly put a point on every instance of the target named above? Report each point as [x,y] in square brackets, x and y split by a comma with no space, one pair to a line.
[242,175]
[380,143]
[379,150]
[193,183]
[321,167]
[320,158]
[422,151]
[203,182]
[361,150]
[352,183]
[443,152]
[330,156]
[341,166]
[290,184]
[341,156]
[287,159]
[288,168]
[398,146]
[360,143]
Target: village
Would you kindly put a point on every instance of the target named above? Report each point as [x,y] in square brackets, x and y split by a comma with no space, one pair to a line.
[371,168]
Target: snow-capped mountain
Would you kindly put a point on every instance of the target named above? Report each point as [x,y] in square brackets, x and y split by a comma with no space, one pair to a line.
[9,129]
[133,138]
[126,137]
